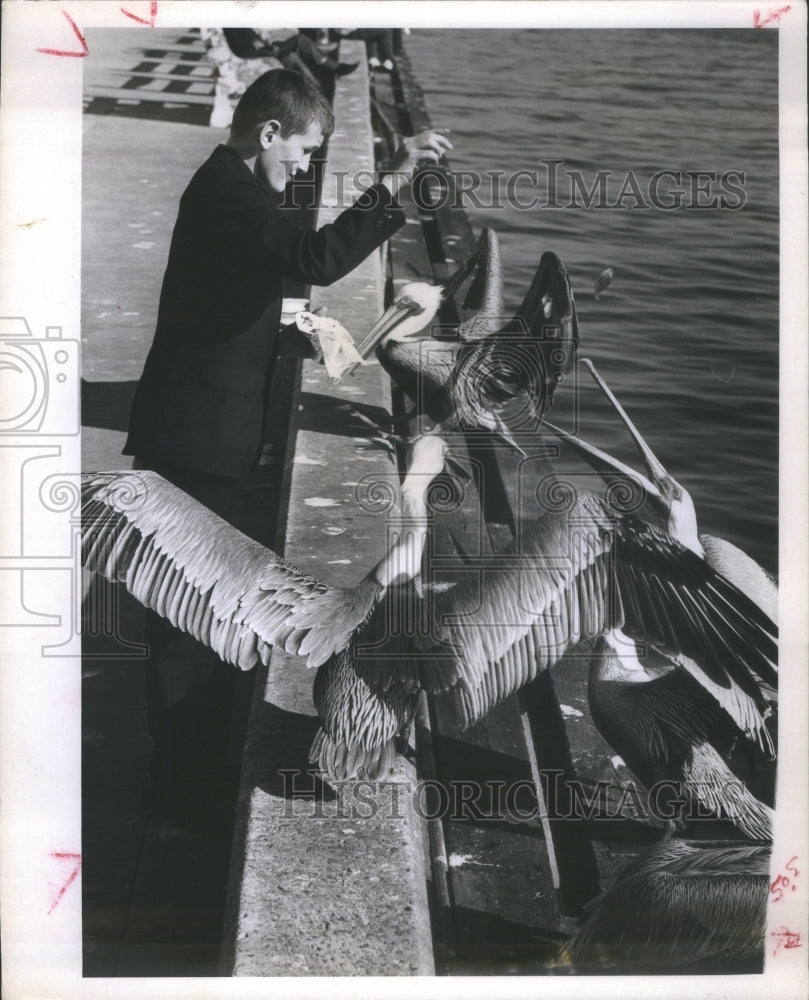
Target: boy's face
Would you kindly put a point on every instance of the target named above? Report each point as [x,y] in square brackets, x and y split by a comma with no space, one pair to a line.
[280,159]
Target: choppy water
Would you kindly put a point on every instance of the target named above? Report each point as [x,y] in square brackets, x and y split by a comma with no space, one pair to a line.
[687,333]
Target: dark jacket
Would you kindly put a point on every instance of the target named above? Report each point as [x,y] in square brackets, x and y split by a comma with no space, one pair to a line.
[200,401]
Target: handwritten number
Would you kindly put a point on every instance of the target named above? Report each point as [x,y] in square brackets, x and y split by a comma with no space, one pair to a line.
[781,881]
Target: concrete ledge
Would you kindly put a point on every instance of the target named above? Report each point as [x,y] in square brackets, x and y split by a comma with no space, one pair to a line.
[332,887]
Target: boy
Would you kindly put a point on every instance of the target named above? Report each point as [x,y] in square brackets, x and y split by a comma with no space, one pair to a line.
[198,412]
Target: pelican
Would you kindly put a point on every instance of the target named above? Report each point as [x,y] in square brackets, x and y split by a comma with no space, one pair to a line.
[681,904]
[662,723]
[497,374]
[573,574]
[417,302]
[487,636]
[676,506]
[667,728]
[240,598]
[362,714]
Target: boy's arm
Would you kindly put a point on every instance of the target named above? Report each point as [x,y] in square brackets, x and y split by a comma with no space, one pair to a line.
[320,257]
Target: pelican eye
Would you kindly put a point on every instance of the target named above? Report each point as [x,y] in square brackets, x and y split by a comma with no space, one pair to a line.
[407,303]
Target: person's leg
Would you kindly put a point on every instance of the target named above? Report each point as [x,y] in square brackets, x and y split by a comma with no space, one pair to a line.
[291,60]
[384,44]
[308,50]
[321,66]
[371,38]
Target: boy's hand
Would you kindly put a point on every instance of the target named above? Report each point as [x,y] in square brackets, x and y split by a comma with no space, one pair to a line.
[425,147]
[430,145]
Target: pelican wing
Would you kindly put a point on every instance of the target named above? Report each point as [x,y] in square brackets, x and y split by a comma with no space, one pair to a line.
[505,621]
[679,904]
[207,578]
[690,706]
[745,711]
[671,729]
[735,564]
[570,576]
[672,598]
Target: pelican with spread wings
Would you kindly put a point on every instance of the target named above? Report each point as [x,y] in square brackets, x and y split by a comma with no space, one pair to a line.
[662,714]
[575,573]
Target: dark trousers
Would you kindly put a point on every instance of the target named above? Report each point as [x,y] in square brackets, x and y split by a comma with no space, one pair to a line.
[378,41]
[191,694]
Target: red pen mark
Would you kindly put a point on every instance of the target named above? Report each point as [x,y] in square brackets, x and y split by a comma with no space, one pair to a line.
[774,15]
[785,938]
[74,860]
[142,20]
[781,882]
[64,52]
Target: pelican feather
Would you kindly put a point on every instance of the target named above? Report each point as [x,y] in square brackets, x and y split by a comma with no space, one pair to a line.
[666,729]
[218,593]
[680,904]
[569,585]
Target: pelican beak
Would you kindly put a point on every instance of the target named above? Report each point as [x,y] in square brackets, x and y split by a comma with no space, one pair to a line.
[454,282]
[654,467]
[396,313]
[605,465]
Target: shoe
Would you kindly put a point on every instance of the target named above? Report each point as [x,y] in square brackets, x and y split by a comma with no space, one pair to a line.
[374,63]
[388,65]
[343,69]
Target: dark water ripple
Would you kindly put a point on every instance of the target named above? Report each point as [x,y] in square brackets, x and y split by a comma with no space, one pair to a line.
[687,334]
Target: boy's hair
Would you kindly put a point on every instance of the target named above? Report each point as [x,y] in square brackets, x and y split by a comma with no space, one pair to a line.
[292,99]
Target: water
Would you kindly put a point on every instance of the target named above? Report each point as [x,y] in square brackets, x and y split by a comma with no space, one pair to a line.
[687,334]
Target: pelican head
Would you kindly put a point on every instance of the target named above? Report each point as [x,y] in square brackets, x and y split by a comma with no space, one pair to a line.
[410,312]
[416,303]
[672,501]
